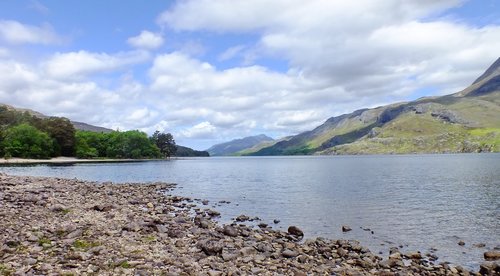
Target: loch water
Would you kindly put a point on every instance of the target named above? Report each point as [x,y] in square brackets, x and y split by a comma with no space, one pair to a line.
[418,202]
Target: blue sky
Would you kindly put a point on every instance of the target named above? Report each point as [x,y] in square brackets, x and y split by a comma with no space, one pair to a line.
[211,71]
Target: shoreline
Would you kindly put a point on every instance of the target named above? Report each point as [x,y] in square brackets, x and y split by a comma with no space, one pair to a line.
[56,225]
[68,160]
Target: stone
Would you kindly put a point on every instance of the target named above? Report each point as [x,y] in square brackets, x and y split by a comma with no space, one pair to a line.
[295,231]
[75,234]
[214,273]
[242,218]
[262,225]
[229,256]
[461,243]
[204,202]
[346,228]
[390,263]
[287,253]
[58,208]
[489,268]
[395,255]
[276,221]
[211,247]
[492,255]
[246,251]
[414,255]
[102,208]
[230,231]
[212,213]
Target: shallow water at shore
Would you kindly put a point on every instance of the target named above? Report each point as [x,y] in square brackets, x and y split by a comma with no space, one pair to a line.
[417,201]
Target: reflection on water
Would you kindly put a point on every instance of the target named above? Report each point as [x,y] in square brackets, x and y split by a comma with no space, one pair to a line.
[417,201]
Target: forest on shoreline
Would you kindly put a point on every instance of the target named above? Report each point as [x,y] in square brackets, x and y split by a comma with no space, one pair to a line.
[24,135]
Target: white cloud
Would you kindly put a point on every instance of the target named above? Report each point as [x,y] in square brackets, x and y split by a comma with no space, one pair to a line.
[75,65]
[354,45]
[203,130]
[14,32]
[146,40]
[231,52]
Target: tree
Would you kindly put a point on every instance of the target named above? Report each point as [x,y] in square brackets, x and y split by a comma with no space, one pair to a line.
[26,141]
[129,144]
[165,142]
[63,131]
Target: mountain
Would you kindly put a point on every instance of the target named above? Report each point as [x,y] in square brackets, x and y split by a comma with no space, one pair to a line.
[466,121]
[237,145]
[189,152]
[77,125]
[87,127]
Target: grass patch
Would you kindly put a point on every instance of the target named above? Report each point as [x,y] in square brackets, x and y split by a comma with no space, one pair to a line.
[124,264]
[149,238]
[4,270]
[82,244]
[65,211]
[44,240]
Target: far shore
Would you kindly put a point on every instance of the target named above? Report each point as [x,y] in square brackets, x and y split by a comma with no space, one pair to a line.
[68,160]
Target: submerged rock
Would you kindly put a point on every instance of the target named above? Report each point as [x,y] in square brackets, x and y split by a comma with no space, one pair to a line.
[346,228]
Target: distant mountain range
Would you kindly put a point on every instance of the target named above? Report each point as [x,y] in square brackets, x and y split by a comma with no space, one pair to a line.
[235,146]
[466,121]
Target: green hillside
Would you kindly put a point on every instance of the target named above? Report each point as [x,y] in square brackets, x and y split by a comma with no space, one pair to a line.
[467,121]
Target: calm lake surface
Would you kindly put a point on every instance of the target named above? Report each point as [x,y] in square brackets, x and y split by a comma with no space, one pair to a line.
[416,201]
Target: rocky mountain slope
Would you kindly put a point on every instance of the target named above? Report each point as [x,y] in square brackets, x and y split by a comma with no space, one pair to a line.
[77,125]
[237,145]
[467,121]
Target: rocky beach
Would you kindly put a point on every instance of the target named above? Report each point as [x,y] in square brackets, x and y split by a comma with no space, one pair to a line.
[55,226]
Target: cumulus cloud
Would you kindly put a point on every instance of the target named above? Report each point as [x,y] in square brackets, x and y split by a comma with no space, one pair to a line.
[75,65]
[14,32]
[351,44]
[203,130]
[146,40]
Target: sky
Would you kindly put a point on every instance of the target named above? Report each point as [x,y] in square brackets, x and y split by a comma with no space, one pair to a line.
[209,71]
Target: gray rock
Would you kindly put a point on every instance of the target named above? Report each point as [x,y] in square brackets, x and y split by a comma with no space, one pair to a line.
[213,213]
[58,208]
[211,246]
[229,256]
[287,253]
[346,228]
[230,231]
[75,234]
[242,218]
[295,231]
